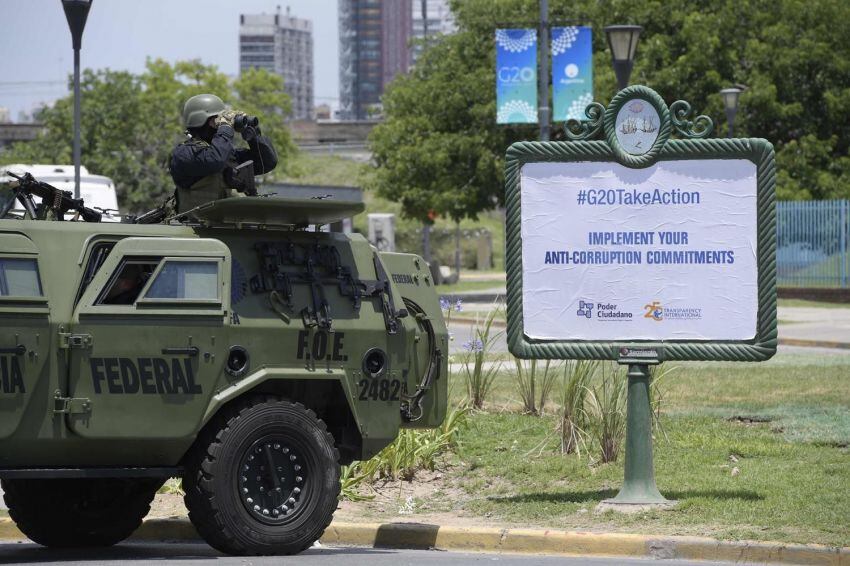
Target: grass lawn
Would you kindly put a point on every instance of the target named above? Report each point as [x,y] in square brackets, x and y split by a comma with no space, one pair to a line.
[783,426]
[311,169]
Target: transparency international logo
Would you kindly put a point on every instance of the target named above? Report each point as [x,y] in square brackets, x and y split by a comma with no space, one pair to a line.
[585,309]
[657,312]
[654,310]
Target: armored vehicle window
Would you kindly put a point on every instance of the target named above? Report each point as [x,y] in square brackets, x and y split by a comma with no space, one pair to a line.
[124,288]
[192,280]
[98,255]
[19,277]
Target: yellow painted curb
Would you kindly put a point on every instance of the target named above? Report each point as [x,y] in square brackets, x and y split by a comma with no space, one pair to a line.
[524,541]
[537,541]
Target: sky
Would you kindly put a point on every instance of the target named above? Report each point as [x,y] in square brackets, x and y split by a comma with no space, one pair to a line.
[36,56]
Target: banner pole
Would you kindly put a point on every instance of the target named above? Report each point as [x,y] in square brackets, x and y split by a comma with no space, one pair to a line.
[543,72]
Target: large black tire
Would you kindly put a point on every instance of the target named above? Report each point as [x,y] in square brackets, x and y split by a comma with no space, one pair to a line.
[73,513]
[235,502]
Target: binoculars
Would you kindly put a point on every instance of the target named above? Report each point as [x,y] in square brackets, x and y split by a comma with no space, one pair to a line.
[242,121]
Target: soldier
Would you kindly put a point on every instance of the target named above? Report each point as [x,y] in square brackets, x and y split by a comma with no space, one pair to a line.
[203,166]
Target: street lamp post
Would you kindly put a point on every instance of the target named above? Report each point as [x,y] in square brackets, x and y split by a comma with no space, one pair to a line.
[622,40]
[76,11]
[730,104]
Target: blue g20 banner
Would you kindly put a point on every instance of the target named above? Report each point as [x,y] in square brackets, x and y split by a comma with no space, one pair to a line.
[516,76]
[572,72]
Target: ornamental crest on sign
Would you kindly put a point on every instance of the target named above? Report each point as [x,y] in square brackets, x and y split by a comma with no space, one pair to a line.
[637,124]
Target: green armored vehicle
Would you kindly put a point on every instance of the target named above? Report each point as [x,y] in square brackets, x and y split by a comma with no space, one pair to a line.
[240,351]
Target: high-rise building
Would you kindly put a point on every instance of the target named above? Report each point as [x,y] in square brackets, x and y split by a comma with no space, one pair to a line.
[396,22]
[375,46]
[281,44]
[432,17]
[360,57]
[373,36]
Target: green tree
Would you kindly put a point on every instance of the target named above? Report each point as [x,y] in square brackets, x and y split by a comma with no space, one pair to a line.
[130,123]
[440,149]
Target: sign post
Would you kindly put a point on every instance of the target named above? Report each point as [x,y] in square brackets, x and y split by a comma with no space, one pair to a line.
[640,248]
[639,474]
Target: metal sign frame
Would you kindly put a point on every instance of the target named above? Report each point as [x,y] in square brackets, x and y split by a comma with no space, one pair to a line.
[692,145]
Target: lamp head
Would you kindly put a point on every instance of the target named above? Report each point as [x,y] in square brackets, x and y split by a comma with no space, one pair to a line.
[77,11]
[730,98]
[622,40]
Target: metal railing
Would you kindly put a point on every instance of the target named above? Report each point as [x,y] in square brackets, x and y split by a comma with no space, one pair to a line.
[812,240]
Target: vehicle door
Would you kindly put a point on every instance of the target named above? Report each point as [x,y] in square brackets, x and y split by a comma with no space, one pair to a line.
[24,336]
[148,338]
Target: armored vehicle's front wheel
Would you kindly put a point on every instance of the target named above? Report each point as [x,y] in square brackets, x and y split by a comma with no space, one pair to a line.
[68,513]
[263,479]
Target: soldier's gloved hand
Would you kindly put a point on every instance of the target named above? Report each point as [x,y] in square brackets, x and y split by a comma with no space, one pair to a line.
[250,133]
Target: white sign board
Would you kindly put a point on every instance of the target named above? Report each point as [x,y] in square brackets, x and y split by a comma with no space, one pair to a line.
[662,253]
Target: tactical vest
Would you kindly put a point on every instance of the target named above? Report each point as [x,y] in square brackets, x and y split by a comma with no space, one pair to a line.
[212,187]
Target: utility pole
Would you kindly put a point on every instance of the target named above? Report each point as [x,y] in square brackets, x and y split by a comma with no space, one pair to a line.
[426,227]
[543,70]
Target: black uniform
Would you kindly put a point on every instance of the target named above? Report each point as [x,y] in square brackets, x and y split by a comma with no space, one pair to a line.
[195,159]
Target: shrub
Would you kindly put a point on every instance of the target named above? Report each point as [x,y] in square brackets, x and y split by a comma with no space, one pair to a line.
[534,389]
[412,450]
[479,379]
[605,411]
[657,378]
[572,395]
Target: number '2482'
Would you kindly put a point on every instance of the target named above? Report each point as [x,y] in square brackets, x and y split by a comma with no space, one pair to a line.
[379,389]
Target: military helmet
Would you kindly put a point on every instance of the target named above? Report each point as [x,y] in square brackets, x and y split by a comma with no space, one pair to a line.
[200,108]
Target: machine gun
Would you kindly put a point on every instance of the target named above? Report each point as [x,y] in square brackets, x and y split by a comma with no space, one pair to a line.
[52,199]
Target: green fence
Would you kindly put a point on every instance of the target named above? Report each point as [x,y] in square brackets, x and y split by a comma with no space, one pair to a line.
[812,238]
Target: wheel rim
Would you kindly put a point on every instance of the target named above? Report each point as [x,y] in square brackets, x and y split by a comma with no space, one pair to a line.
[272,480]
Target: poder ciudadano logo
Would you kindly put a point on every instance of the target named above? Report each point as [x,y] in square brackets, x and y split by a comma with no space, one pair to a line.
[602,312]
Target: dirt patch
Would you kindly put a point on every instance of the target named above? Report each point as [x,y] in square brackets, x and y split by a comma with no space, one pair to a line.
[432,495]
[167,505]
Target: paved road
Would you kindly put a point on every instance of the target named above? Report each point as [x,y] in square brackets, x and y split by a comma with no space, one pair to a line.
[130,554]
[815,323]
[464,332]
[800,323]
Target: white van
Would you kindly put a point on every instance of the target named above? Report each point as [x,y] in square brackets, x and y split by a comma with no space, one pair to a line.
[97,192]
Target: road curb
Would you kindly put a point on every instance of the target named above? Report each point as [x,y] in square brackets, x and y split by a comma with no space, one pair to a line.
[524,541]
